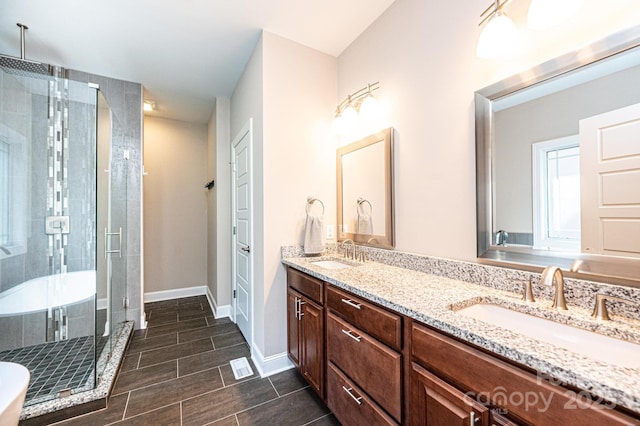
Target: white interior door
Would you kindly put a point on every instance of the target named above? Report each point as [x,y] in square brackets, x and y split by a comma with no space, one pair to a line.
[242,235]
[610,182]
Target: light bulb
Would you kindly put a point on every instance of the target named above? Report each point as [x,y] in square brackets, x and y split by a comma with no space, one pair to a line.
[548,13]
[498,38]
[349,119]
[369,109]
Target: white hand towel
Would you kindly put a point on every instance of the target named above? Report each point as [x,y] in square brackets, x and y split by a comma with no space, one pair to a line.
[313,241]
[365,225]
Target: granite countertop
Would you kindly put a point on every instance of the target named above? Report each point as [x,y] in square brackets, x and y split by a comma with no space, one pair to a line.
[433,300]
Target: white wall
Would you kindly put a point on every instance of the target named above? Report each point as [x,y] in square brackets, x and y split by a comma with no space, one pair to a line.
[423,54]
[299,160]
[247,104]
[289,90]
[212,205]
[219,207]
[175,202]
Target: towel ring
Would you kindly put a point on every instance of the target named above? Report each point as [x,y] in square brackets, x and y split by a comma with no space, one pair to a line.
[361,201]
[310,201]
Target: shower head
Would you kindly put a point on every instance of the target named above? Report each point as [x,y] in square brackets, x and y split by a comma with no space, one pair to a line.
[25,67]
[22,66]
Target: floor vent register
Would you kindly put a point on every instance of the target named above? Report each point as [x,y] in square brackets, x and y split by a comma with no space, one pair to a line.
[241,368]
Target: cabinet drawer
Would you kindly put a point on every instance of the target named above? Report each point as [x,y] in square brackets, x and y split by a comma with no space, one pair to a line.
[374,367]
[507,386]
[378,322]
[305,284]
[349,404]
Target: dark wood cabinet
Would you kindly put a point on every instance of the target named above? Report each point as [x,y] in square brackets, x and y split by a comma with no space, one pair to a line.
[293,327]
[434,402]
[305,329]
[377,367]
[364,344]
[312,343]
[350,404]
[505,387]
[498,419]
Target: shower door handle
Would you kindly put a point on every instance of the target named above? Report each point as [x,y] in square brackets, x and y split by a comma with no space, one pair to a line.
[107,237]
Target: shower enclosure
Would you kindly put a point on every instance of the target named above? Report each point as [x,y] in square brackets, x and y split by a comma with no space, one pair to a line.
[63,212]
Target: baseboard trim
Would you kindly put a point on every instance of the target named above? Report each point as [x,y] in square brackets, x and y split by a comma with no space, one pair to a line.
[223,311]
[157,296]
[272,364]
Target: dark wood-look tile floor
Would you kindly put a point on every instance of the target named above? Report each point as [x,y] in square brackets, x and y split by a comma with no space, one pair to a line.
[177,372]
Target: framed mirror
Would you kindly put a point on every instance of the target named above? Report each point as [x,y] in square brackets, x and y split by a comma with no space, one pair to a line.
[365,190]
[558,164]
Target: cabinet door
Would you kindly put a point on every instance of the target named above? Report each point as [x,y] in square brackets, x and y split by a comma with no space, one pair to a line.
[293,327]
[312,324]
[436,403]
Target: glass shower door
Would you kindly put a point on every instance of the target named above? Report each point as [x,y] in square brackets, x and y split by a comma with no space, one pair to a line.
[112,216]
[48,230]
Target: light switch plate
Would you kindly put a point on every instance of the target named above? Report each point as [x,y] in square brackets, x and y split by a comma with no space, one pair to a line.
[330,232]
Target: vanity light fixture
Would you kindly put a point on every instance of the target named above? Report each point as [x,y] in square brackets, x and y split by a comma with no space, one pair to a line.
[149,106]
[361,104]
[500,35]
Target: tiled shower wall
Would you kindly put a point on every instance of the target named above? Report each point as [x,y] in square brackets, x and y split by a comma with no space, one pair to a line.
[125,99]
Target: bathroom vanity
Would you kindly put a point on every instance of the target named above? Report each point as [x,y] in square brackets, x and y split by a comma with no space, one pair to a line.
[388,345]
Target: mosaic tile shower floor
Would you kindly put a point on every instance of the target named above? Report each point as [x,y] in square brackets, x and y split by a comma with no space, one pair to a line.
[56,366]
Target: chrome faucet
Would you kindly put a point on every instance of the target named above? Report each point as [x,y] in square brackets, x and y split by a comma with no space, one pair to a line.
[501,237]
[347,250]
[551,275]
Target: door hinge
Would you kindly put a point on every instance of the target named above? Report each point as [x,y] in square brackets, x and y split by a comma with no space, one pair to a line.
[125,302]
[233,230]
[234,294]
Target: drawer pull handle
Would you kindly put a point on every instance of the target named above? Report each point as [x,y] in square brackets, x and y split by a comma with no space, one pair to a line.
[350,334]
[300,313]
[356,399]
[472,418]
[351,303]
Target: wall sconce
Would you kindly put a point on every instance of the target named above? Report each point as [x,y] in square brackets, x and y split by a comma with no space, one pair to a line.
[361,105]
[499,36]
[149,106]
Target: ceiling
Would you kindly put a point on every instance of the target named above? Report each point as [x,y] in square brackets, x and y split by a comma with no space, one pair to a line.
[184,52]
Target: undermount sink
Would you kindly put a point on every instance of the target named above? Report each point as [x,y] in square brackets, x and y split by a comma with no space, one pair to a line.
[14,380]
[331,264]
[591,345]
